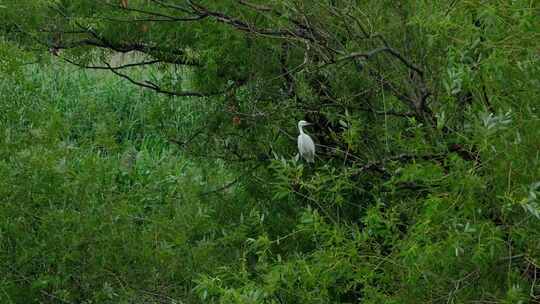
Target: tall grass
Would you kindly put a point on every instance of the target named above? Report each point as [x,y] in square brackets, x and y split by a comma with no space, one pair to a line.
[96,205]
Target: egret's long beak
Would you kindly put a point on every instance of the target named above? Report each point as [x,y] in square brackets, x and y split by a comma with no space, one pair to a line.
[308,124]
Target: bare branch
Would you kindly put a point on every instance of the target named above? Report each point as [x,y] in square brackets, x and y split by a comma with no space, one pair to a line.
[102,42]
[258,7]
[389,112]
[126,48]
[156,14]
[174,6]
[130,65]
[237,23]
[379,165]
[393,52]
[157,88]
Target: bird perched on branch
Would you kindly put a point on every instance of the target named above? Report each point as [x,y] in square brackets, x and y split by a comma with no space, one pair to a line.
[306,147]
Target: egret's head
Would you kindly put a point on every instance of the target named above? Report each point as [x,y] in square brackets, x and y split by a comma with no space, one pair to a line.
[303,123]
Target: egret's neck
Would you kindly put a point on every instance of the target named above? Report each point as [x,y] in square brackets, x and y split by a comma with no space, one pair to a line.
[300,129]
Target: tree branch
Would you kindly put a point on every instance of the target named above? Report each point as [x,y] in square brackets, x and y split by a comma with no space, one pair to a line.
[393,52]
[130,65]
[258,7]
[379,165]
[155,14]
[157,88]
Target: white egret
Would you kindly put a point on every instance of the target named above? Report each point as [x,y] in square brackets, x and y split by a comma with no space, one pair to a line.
[306,146]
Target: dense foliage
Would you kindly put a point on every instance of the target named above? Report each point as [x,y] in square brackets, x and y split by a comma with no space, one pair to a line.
[170,176]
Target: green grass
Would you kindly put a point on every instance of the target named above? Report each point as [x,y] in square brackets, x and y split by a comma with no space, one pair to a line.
[96,205]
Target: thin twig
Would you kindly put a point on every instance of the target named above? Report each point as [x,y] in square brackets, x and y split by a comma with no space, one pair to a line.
[157,88]
[130,65]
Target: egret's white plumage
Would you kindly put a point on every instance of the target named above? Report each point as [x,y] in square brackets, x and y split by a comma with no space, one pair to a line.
[306,146]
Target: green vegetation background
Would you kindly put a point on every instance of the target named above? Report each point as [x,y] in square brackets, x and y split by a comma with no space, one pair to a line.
[94,197]
[98,205]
